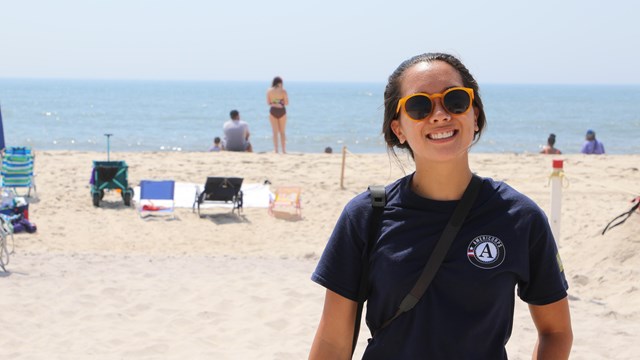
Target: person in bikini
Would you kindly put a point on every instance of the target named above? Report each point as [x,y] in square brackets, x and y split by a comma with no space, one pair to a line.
[277,99]
[549,148]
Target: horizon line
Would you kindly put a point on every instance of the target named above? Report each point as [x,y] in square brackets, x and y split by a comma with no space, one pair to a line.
[290,81]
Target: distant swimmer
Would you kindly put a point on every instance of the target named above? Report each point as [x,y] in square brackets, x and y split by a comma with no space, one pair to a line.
[277,99]
[549,149]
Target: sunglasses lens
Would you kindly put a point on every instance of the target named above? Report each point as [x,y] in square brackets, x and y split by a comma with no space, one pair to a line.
[457,101]
[418,107]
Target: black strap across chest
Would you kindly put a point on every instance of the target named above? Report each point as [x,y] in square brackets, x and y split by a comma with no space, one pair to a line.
[378,200]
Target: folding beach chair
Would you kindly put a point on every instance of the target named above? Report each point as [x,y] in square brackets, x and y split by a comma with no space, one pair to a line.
[17,170]
[220,190]
[288,199]
[156,198]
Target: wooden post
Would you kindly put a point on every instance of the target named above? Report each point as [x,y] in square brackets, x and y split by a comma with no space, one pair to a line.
[344,157]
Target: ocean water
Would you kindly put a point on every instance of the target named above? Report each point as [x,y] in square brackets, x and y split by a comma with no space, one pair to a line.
[186,116]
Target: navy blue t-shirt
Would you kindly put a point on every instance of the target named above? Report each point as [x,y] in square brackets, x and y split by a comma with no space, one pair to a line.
[467,311]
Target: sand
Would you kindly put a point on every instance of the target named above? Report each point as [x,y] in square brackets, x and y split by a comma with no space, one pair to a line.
[102,283]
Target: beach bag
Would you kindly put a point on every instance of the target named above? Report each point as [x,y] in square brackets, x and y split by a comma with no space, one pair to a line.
[24,225]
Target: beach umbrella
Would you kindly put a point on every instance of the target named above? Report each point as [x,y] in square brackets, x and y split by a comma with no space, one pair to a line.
[1,131]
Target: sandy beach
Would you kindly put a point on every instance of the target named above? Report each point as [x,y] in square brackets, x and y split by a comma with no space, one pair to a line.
[101,283]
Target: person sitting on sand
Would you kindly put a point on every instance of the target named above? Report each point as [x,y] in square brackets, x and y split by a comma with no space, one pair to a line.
[236,133]
[591,145]
[549,149]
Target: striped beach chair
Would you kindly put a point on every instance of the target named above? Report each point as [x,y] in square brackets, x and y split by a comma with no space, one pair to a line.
[18,150]
[287,198]
[17,170]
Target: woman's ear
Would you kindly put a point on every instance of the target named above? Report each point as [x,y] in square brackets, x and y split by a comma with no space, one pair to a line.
[397,129]
[476,113]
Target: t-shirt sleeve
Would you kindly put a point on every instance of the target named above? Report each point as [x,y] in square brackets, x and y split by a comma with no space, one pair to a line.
[339,267]
[546,282]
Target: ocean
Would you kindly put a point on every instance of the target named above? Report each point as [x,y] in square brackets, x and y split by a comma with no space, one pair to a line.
[186,116]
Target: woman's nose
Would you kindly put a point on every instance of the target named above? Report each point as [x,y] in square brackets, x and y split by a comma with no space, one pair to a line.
[439,113]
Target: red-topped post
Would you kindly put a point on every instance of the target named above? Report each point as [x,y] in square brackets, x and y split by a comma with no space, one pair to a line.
[556,198]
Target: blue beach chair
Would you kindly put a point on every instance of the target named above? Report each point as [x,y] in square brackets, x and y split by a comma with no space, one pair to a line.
[156,198]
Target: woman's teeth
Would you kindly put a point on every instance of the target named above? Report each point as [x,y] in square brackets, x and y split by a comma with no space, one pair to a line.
[442,135]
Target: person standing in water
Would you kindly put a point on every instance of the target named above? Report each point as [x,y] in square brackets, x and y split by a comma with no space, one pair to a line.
[277,99]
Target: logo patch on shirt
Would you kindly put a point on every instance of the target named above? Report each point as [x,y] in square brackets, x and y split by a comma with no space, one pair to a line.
[486,252]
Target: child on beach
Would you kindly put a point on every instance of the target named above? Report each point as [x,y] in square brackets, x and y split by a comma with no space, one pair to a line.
[433,110]
[217,145]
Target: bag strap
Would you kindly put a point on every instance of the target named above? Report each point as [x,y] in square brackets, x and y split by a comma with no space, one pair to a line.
[441,249]
[624,216]
[378,200]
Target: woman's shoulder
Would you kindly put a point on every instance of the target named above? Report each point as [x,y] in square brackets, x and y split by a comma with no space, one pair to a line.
[550,150]
[497,191]
[362,202]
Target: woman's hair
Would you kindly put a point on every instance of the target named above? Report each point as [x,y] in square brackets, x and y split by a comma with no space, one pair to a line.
[276,81]
[392,95]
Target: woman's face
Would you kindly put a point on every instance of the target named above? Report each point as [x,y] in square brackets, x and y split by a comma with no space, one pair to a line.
[442,136]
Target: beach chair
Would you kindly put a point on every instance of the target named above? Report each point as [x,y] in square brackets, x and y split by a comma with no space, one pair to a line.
[17,171]
[156,198]
[288,199]
[110,175]
[220,190]
[18,150]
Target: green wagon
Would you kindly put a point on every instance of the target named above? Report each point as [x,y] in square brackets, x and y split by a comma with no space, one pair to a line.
[110,175]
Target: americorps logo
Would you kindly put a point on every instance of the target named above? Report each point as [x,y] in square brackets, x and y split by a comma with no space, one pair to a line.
[486,251]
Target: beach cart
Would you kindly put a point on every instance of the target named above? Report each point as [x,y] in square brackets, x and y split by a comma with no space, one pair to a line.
[110,175]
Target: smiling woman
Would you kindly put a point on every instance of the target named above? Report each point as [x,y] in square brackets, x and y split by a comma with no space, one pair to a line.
[477,233]
[452,117]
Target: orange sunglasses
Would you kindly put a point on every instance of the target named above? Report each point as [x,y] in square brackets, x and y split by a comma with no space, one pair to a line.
[419,106]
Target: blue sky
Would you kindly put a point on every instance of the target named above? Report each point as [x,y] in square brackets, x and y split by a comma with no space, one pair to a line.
[501,41]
